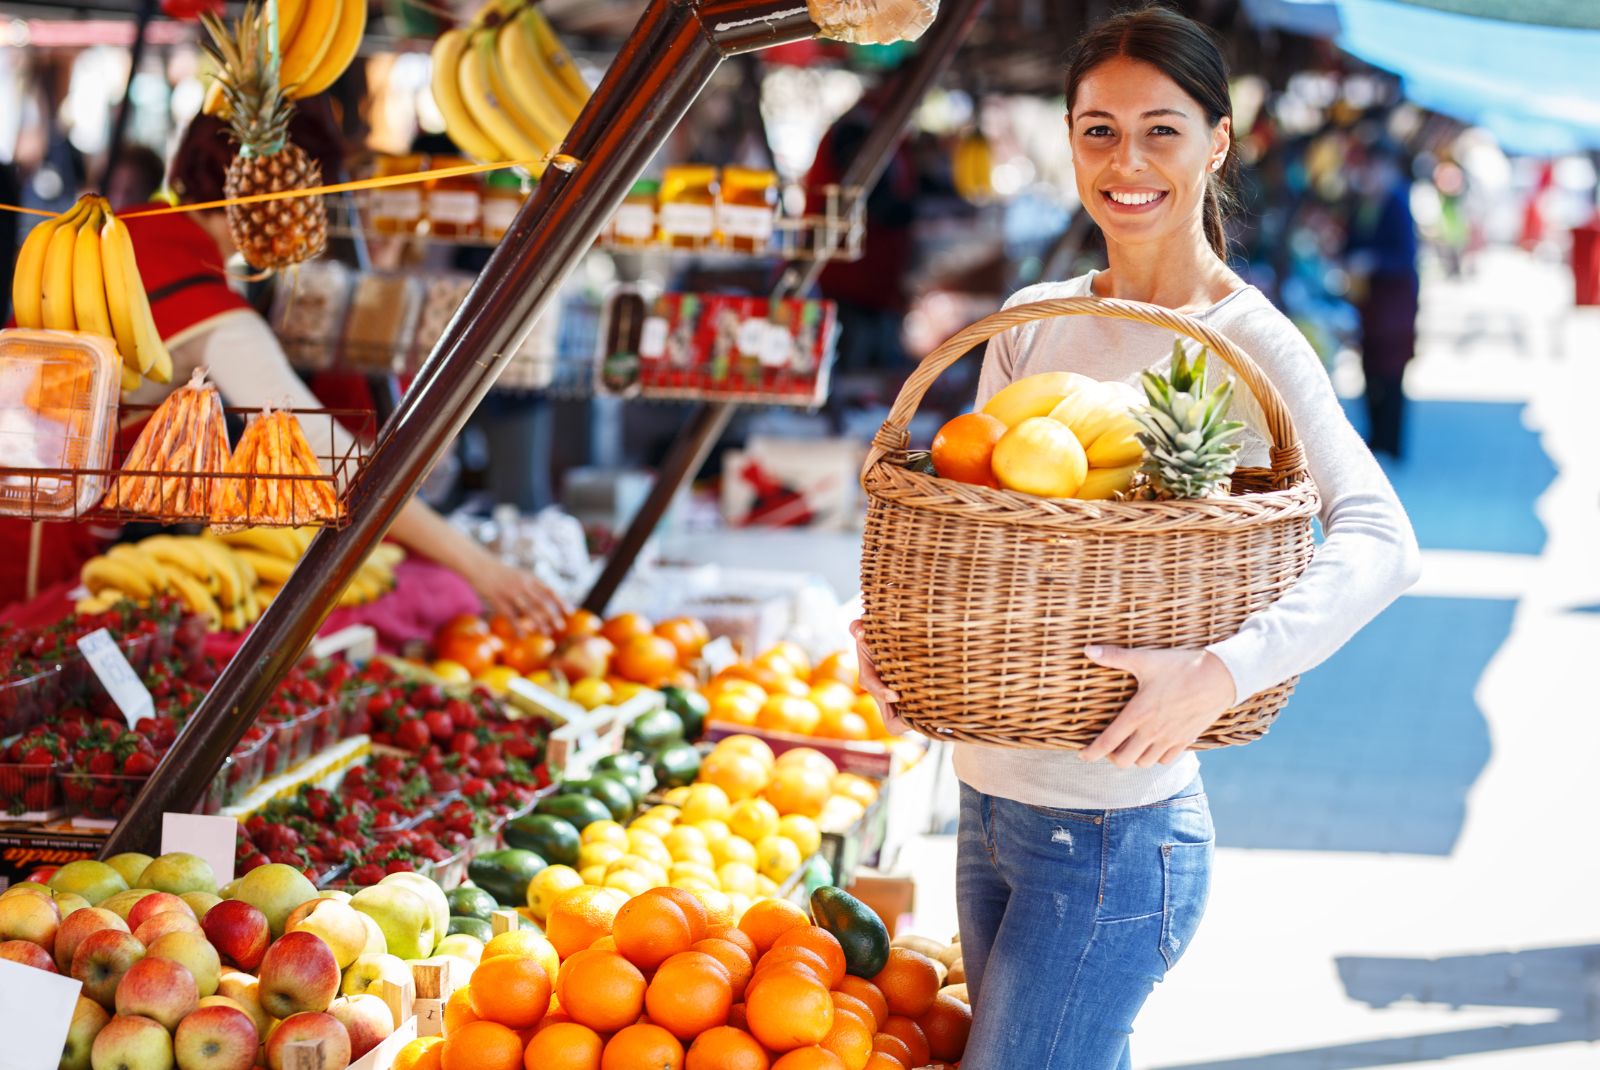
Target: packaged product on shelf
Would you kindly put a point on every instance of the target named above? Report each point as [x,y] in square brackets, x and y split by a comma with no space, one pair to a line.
[454,205]
[382,319]
[171,470]
[58,410]
[397,209]
[442,294]
[748,211]
[501,202]
[308,310]
[634,225]
[687,216]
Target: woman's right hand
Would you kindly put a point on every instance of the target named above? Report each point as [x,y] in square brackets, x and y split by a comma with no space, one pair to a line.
[873,684]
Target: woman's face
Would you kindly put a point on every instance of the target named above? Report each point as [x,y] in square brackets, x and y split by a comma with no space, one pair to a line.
[1142,150]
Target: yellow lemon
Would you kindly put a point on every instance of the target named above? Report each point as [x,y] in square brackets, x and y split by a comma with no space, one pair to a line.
[832,696]
[753,820]
[655,826]
[451,672]
[668,812]
[741,903]
[776,858]
[497,678]
[854,787]
[684,839]
[695,885]
[604,832]
[734,849]
[623,690]
[840,813]
[547,885]
[719,908]
[754,746]
[676,796]
[714,831]
[644,866]
[737,877]
[595,874]
[700,871]
[654,852]
[524,943]
[706,802]
[598,854]
[592,693]
[803,831]
[766,887]
[629,881]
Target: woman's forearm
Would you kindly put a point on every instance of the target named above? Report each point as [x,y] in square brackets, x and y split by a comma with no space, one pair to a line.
[424,532]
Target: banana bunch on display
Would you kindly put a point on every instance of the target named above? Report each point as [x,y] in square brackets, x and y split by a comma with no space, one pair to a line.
[317,40]
[506,86]
[972,169]
[77,272]
[210,578]
[273,553]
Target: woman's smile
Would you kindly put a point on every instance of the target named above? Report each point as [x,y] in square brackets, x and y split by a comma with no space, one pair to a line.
[1129,201]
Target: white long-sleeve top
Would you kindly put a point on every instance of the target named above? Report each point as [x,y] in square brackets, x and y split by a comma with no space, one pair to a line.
[1368,557]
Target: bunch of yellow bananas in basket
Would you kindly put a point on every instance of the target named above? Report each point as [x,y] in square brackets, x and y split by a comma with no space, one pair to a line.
[77,272]
[506,86]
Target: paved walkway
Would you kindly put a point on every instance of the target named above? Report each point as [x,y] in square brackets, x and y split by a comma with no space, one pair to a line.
[1408,871]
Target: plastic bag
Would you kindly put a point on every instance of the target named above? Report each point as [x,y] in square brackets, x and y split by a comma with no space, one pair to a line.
[872,22]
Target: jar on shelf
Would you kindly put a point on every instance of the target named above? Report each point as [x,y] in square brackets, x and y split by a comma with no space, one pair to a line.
[748,211]
[455,204]
[634,225]
[687,216]
[502,199]
[397,209]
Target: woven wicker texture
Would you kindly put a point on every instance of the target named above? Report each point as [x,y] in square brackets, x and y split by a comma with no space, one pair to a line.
[979,602]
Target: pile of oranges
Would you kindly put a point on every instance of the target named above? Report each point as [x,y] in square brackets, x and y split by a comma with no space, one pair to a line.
[665,986]
[781,691]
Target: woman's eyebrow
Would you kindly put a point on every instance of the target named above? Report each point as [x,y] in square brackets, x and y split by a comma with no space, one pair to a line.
[1153,113]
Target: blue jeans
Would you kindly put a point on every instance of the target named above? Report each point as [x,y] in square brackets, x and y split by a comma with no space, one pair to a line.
[1068,920]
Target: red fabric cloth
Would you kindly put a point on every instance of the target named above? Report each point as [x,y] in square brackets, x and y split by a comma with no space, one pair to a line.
[173,250]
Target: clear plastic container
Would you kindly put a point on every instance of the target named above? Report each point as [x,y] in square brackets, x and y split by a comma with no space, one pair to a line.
[59,392]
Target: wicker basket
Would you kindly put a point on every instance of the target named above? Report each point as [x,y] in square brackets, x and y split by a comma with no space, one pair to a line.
[979,602]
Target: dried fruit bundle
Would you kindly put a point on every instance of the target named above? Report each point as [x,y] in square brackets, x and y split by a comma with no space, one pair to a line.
[276,479]
[185,440]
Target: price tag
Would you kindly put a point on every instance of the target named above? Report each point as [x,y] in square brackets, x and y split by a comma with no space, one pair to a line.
[719,654]
[210,836]
[117,676]
[777,346]
[35,1013]
[752,337]
[653,337]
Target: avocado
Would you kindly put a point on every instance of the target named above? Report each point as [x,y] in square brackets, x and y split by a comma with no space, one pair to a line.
[581,810]
[691,708]
[857,927]
[470,902]
[654,730]
[617,798]
[676,765]
[460,923]
[552,838]
[505,874]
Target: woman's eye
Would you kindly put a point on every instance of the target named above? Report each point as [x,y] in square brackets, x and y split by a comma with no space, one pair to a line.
[1163,131]
[1098,131]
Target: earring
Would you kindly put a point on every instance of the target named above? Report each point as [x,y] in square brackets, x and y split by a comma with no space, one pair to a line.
[1216,165]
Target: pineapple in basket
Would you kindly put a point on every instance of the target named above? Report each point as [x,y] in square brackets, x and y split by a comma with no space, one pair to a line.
[271,234]
[1191,446]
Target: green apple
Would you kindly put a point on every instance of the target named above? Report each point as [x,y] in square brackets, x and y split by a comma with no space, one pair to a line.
[275,889]
[402,914]
[377,943]
[462,946]
[131,865]
[200,902]
[86,877]
[67,902]
[334,893]
[368,970]
[178,872]
[339,925]
[432,894]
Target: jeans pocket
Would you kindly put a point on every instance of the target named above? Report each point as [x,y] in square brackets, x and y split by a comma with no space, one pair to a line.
[1186,876]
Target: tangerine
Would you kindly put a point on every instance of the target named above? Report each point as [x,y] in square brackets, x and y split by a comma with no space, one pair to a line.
[946,1024]
[688,634]
[789,713]
[726,1048]
[528,654]
[689,994]
[564,1046]
[844,724]
[909,981]
[511,990]
[482,1046]
[850,1039]
[645,659]
[910,1034]
[840,666]
[733,959]
[740,776]
[626,626]
[734,708]
[789,1010]
[811,1057]
[642,1046]
[601,989]
[869,994]
[582,624]
[649,929]
[754,746]
[458,1009]
[808,758]
[581,916]
[895,1047]
[797,790]
[963,449]
[769,919]
[820,942]
[420,1054]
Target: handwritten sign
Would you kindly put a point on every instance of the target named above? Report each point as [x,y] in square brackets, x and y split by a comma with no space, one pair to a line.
[117,676]
[212,837]
[35,1013]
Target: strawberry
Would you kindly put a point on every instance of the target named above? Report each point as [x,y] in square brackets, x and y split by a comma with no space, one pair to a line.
[139,764]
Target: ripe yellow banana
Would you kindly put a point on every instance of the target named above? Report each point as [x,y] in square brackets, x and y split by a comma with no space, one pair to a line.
[341,50]
[522,81]
[311,41]
[486,107]
[130,305]
[272,542]
[557,59]
[88,282]
[269,568]
[56,305]
[232,587]
[153,571]
[27,280]
[448,55]
[1101,484]
[196,597]
[104,573]
[180,555]
[247,575]
[290,14]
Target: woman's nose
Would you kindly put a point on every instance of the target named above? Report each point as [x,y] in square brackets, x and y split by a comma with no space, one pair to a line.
[1128,156]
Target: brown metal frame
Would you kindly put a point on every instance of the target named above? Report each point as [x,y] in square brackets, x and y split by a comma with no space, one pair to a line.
[667,60]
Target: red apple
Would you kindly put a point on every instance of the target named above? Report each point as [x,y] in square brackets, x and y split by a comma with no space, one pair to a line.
[101,960]
[79,924]
[132,1043]
[238,931]
[310,1026]
[581,659]
[216,1038]
[88,1018]
[298,974]
[29,954]
[33,918]
[153,904]
[168,921]
[159,989]
[367,1019]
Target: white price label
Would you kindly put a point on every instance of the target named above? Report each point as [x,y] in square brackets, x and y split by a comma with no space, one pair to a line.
[719,654]
[35,1013]
[457,207]
[777,347]
[653,337]
[745,221]
[752,337]
[688,220]
[635,222]
[210,836]
[117,676]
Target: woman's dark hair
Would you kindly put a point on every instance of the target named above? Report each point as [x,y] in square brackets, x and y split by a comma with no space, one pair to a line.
[199,165]
[1189,54]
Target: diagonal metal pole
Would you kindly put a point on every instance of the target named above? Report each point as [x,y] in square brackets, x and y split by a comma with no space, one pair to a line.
[668,58]
[707,422]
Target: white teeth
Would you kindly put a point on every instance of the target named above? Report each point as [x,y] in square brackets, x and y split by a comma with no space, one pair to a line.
[1132,198]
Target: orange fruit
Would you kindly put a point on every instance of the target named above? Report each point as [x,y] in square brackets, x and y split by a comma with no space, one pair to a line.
[850,1039]
[734,708]
[528,943]
[733,959]
[754,746]
[686,633]
[582,916]
[420,1054]
[482,1046]
[844,1003]
[528,654]
[789,713]
[908,982]
[740,776]
[769,919]
[869,994]
[649,929]
[819,941]
[625,626]
[854,786]
[564,1046]
[692,907]
[785,652]
[789,1010]
[840,666]
[808,758]
[883,1061]
[601,989]
[458,1009]
[645,659]
[726,1048]
[812,1057]
[605,943]
[910,1034]
[511,990]
[689,994]
[738,937]
[803,957]
[797,790]
[946,1025]
[642,1047]
[582,624]
[868,708]
[843,724]
[894,1046]
[554,1018]
[963,449]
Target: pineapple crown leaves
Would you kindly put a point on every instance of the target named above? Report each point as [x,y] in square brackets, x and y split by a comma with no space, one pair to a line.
[1190,443]
[259,110]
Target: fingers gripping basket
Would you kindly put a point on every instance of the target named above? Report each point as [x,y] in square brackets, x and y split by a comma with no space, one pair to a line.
[979,602]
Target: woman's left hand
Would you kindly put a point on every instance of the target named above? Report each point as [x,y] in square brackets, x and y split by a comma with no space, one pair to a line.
[1181,694]
[518,594]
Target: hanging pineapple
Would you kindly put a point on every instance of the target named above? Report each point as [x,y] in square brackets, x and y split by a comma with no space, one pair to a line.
[270,234]
[1190,444]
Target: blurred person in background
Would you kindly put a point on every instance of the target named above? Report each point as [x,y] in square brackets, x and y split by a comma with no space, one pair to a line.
[1381,258]
[137,177]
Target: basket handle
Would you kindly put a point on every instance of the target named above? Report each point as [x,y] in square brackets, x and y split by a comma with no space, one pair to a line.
[1287,457]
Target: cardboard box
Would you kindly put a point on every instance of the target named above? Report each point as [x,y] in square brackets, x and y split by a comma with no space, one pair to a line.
[891,898]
